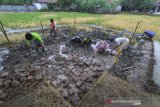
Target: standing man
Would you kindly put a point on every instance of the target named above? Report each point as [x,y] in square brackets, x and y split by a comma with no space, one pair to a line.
[53,27]
[35,39]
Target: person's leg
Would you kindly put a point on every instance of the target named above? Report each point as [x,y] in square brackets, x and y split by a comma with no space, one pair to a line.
[36,45]
[84,43]
[43,50]
[55,32]
[51,32]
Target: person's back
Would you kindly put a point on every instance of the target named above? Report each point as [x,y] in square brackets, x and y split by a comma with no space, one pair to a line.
[121,40]
[121,43]
[52,25]
[36,39]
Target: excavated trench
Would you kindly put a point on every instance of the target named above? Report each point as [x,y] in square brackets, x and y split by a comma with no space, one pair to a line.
[70,68]
[73,69]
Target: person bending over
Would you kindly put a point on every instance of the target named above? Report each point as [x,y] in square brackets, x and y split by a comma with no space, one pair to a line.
[35,39]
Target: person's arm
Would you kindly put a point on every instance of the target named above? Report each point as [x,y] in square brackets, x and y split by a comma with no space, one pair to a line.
[42,44]
[117,44]
[38,37]
[55,25]
[50,26]
[28,44]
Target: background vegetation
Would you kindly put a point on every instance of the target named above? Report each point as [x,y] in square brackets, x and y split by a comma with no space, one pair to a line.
[86,5]
[16,2]
[140,5]
[93,5]
[119,21]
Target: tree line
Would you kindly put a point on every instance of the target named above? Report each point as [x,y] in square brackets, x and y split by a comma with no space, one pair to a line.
[92,5]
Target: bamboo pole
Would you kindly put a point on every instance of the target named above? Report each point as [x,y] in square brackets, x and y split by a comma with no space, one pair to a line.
[42,28]
[132,39]
[5,34]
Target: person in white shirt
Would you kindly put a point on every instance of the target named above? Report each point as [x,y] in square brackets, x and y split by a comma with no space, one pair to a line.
[121,42]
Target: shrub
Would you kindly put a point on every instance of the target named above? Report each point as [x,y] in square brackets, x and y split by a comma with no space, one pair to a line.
[140,5]
[15,2]
[88,5]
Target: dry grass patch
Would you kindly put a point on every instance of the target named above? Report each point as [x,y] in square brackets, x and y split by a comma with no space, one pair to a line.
[13,38]
[41,95]
[129,21]
[77,20]
[114,88]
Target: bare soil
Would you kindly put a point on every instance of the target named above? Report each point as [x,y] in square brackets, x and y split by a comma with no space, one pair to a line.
[75,75]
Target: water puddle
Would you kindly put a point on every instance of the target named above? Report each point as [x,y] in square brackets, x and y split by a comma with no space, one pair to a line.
[3,53]
[11,31]
[156,72]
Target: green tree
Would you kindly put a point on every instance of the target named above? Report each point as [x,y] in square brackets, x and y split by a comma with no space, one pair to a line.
[140,5]
[88,5]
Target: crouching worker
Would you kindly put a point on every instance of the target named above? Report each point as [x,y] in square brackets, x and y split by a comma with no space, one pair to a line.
[87,42]
[121,43]
[76,41]
[35,39]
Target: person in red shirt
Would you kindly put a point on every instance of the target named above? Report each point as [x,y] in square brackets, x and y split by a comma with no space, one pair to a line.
[53,27]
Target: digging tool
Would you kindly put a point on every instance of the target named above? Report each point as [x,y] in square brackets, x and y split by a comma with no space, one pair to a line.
[132,39]
[5,34]
[119,51]
[118,55]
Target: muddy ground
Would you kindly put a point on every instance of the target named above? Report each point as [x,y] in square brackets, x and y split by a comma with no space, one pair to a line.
[136,67]
[75,69]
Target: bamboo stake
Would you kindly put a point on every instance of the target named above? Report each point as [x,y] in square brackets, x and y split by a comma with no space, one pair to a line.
[135,32]
[42,28]
[5,34]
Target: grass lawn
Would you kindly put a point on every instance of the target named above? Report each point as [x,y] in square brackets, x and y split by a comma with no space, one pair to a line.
[119,21]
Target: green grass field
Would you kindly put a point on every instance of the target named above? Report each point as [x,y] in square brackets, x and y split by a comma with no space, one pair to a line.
[119,21]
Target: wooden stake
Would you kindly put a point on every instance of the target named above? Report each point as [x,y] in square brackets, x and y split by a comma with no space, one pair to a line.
[5,34]
[42,28]
[133,36]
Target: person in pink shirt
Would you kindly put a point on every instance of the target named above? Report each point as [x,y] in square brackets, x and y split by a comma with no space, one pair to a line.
[53,27]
